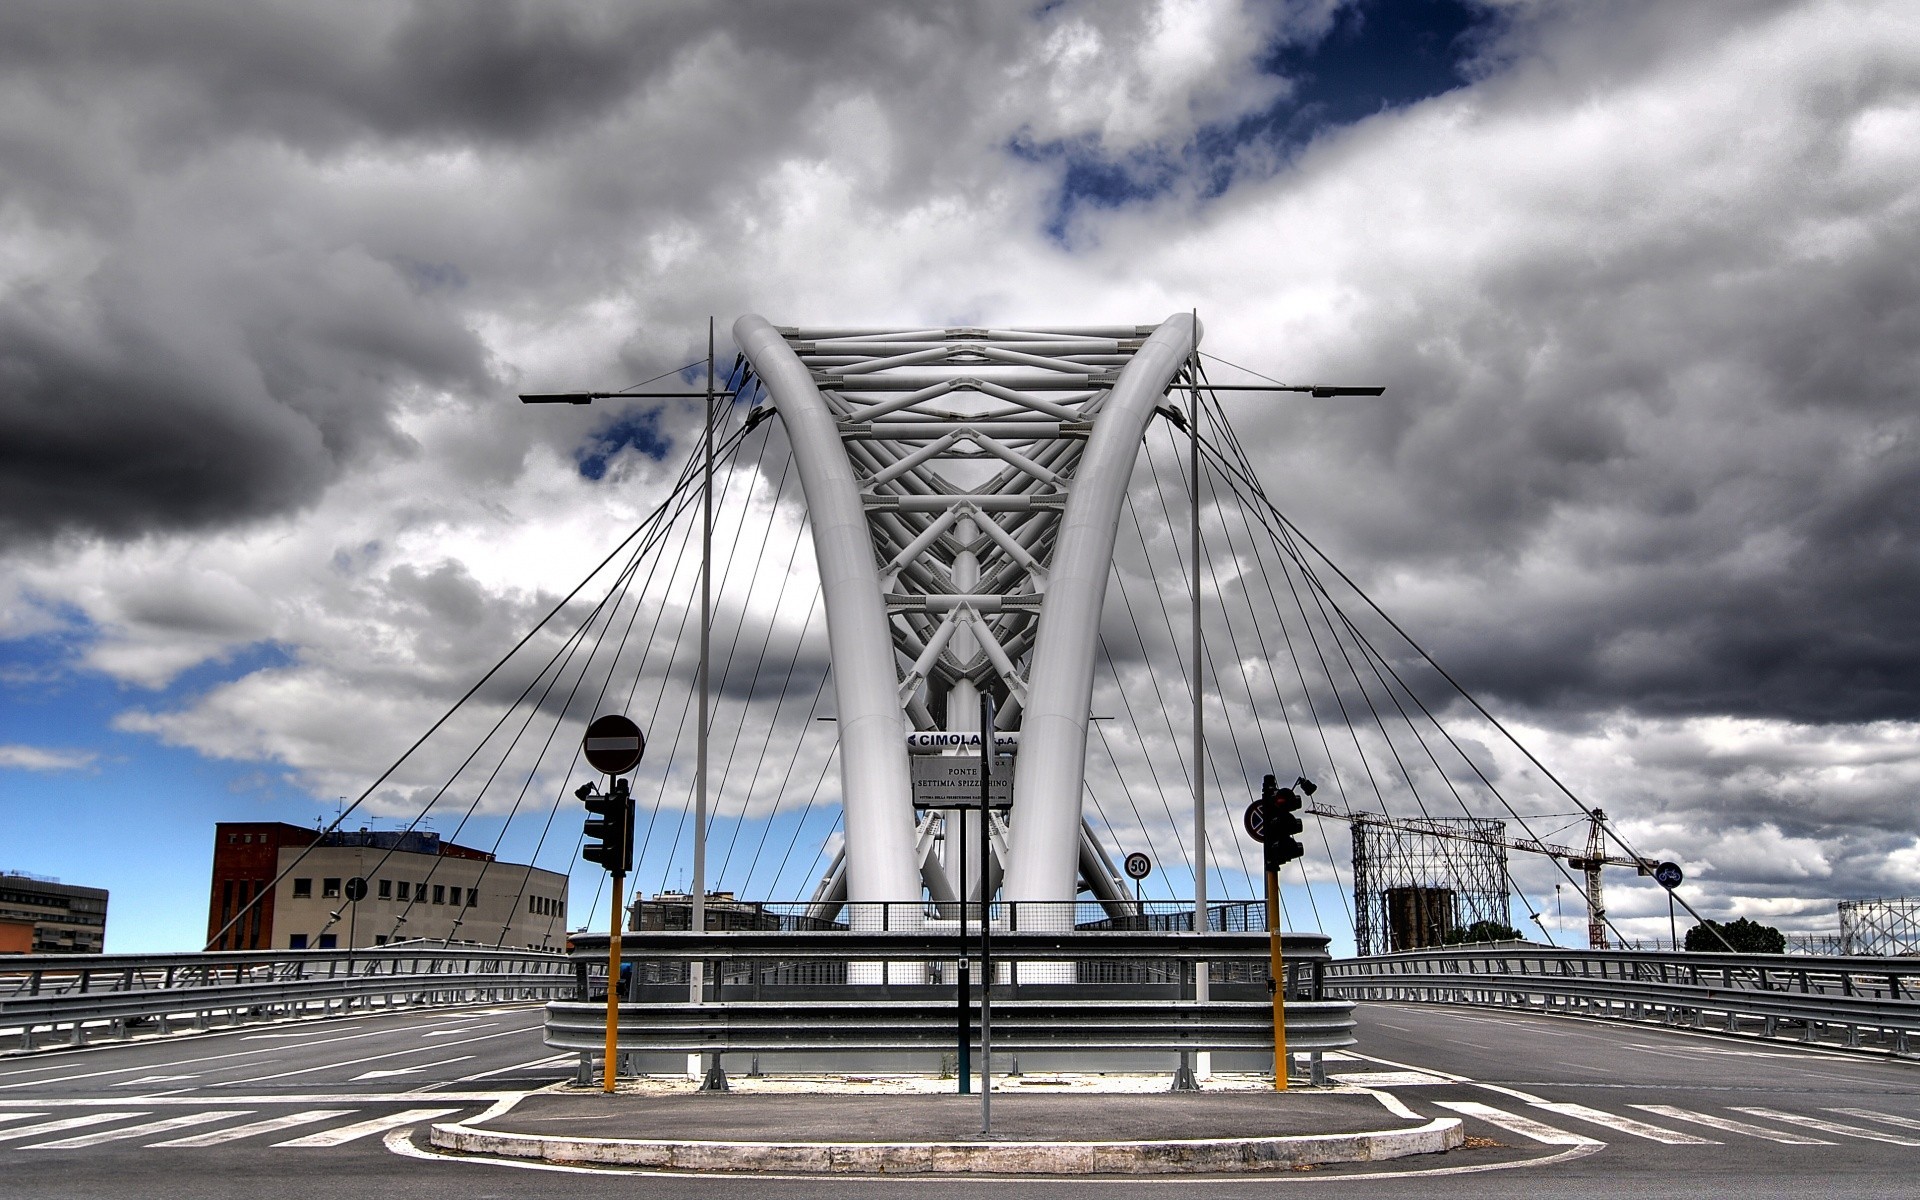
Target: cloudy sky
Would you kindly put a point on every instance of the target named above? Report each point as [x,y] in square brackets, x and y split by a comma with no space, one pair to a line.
[1642,279]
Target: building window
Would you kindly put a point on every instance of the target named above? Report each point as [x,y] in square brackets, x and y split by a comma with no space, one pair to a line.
[405,889]
[303,889]
[233,839]
[330,888]
[297,941]
[328,941]
[386,889]
[379,939]
[473,897]
[439,893]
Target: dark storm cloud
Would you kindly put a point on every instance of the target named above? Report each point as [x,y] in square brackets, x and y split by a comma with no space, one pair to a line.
[1653,443]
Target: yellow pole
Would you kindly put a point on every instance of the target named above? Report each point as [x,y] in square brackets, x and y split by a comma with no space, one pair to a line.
[613,989]
[1279,982]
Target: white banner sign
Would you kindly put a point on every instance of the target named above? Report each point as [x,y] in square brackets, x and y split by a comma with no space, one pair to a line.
[940,779]
[931,742]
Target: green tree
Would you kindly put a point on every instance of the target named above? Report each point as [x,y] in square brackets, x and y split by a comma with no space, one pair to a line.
[1747,937]
[1483,931]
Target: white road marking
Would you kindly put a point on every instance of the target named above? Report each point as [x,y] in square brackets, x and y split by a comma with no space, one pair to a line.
[1396,1106]
[360,1129]
[155,1079]
[1628,1125]
[1875,1115]
[19,1116]
[185,1062]
[1515,1123]
[183,1121]
[282,1098]
[1516,1093]
[552,1061]
[79,1122]
[410,1070]
[1872,1135]
[462,1029]
[354,1062]
[270,1125]
[1387,1079]
[1729,1125]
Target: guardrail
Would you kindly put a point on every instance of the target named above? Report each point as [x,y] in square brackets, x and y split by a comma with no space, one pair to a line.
[75,994]
[889,991]
[1847,1001]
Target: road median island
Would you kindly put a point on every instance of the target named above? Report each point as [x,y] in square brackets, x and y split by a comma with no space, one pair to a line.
[841,1131]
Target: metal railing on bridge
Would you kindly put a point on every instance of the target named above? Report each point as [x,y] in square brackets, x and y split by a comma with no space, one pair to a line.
[882,978]
[1850,1001]
[68,997]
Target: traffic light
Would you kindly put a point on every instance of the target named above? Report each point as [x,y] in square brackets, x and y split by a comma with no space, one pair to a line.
[1283,825]
[610,819]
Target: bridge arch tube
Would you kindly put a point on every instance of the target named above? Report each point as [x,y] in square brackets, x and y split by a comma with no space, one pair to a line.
[876,785]
[1051,770]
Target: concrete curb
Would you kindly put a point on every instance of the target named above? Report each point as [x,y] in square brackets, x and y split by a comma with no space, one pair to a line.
[1198,1156]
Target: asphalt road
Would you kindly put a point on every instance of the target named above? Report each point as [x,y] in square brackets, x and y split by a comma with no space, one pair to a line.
[1556,1107]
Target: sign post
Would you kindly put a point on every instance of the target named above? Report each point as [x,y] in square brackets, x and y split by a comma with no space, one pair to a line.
[944,784]
[613,744]
[1669,876]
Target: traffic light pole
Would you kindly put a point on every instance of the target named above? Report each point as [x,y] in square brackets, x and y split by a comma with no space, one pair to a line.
[613,986]
[1278,979]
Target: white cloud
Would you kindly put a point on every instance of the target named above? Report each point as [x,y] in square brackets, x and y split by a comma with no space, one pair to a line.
[1641,295]
[43,758]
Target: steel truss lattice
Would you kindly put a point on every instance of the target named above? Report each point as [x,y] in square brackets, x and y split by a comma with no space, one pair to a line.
[1411,889]
[964,488]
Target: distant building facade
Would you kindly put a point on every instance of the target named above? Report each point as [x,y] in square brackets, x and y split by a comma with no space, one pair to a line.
[66,918]
[417,887]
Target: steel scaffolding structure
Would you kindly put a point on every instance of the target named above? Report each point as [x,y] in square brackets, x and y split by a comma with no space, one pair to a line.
[1412,888]
[1886,927]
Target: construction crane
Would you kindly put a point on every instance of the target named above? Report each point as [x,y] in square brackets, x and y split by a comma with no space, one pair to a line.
[1588,861]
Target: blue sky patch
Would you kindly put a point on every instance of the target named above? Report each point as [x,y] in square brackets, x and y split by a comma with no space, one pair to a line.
[1378,55]
[640,430]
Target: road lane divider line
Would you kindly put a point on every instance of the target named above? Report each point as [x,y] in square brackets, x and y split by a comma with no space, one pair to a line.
[550,1061]
[19,1116]
[1729,1125]
[1627,1125]
[1844,1130]
[186,1062]
[252,1128]
[1872,1114]
[359,1129]
[165,1125]
[354,1062]
[79,1122]
[1526,1127]
[410,1096]
[1515,1093]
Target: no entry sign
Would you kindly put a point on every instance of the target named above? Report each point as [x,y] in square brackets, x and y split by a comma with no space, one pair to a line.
[614,744]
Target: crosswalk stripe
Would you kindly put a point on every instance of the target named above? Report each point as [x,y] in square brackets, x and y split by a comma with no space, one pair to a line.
[19,1116]
[1515,1123]
[182,1121]
[1872,1135]
[1628,1125]
[360,1129]
[97,1118]
[1875,1115]
[1729,1125]
[270,1125]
